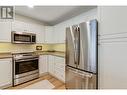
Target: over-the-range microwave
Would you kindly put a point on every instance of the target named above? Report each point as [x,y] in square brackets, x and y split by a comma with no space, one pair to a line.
[23,37]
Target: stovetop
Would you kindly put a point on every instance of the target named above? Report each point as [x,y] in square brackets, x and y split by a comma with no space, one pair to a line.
[24,55]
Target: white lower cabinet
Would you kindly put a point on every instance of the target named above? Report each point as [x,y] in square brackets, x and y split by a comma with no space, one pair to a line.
[51,64]
[43,64]
[5,72]
[59,70]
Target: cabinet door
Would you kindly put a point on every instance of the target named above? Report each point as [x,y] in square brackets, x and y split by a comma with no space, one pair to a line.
[20,26]
[112,20]
[5,72]
[60,62]
[49,36]
[40,34]
[113,65]
[59,70]
[56,35]
[51,64]
[39,31]
[112,48]
[59,33]
[62,34]
[43,64]
[5,31]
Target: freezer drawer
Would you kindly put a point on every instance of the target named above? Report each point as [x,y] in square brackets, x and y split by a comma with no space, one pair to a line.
[76,79]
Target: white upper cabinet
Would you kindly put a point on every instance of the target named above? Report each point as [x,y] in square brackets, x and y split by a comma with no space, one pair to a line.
[39,31]
[45,34]
[112,20]
[49,34]
[40,34]
[5,31]
[59,34]
[19,26]
[54,34]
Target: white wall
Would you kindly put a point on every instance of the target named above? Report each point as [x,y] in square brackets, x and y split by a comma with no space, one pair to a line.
[28,19]
[78,19]
[61,27]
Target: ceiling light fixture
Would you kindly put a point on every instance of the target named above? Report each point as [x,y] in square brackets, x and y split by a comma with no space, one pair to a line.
[31,6]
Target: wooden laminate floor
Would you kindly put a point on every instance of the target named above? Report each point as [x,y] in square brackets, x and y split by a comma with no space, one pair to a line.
[57,83]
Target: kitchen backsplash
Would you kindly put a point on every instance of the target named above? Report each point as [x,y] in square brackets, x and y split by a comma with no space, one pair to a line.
[59,47]
[9,47]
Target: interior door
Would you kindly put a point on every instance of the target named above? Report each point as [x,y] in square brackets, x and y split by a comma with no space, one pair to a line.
[76,79]
[88,45]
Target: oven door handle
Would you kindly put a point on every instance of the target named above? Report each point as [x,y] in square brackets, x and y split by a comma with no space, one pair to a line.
[25,60]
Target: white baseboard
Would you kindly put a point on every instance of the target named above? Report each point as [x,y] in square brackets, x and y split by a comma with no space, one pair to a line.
[42,74]
[5,86]
[57,78]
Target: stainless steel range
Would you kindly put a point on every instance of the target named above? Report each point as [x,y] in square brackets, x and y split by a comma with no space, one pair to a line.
[25,67]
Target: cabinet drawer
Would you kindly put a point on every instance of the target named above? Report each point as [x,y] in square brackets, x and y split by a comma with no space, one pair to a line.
[59,60]
[60,65]
[59,69]
[59,74]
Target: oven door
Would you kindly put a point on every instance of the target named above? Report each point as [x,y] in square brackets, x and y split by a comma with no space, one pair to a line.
[24,67]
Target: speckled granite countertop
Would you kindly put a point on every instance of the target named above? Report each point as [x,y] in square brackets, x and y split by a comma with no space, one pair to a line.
[5,55]
[55,53]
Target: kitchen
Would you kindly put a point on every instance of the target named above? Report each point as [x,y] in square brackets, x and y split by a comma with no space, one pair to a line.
[36,36]
[48,50]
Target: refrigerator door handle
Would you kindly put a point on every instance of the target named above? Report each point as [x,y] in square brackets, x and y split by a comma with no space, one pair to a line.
[74,37]
[82,73]
[72,69]
[78,45]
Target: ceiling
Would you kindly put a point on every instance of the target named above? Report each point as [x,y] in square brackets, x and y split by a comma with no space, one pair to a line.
[52,14]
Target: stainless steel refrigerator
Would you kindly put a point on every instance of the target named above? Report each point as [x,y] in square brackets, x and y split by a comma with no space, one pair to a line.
[81,56]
